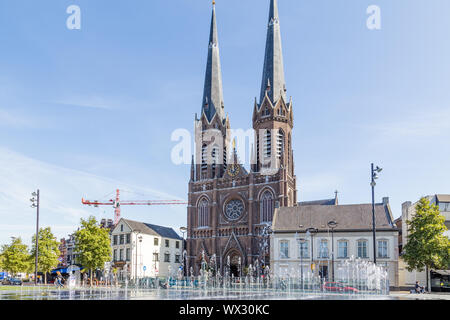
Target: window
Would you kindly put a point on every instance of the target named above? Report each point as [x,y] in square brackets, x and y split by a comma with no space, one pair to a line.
[155,257]
[121,227]
[266,207]
[303,249]
[155,242]
[444,206]
[122,239]
[114,256]
[177,258]
[128,238]
[215,159]
[167,244]
[204,158]
[362,249]
[177,244]
[342,249]
[115,240]
[267,149]
[166,257]
[280,143]
[121,255]
[128,254]
[266,112]
[203,213]
[284,250]
[382,249]
[323,249]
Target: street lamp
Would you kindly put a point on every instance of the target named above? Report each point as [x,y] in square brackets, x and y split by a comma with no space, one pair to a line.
[301,242]
[310,232]
[332,225]
[374,176]
[35,204]
[183,230]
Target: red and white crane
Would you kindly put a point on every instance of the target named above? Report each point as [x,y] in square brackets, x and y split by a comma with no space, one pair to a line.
[117,203]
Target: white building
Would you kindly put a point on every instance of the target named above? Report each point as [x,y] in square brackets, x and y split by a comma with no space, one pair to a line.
[145,250]
[436,277]
[291,247]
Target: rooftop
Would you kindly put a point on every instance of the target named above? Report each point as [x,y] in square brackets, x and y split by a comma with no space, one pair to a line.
[151,229]
[349,217]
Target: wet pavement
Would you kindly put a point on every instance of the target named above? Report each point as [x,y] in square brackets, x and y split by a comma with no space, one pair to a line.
[49,293]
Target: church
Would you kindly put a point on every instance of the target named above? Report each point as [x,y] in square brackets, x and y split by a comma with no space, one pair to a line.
[230,208]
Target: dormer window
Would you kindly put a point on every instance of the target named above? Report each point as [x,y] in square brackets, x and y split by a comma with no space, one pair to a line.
[266,112]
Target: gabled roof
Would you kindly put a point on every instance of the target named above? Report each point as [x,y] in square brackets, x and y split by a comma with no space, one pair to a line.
[164,232]
[326,202]
[152,229]
[349,217]
[443,197]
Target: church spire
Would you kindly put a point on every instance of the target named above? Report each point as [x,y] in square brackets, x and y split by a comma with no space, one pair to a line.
[273,62]
[213,91]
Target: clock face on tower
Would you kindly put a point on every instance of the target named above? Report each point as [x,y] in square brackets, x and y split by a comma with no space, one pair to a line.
[233,170]
[234,209]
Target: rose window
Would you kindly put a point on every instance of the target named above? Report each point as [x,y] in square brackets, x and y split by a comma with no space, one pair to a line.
[234,209]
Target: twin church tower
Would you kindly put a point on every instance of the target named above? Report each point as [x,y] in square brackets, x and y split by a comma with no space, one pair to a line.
[229,206]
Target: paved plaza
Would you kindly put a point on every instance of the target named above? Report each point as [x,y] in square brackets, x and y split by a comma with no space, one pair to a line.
[51,293]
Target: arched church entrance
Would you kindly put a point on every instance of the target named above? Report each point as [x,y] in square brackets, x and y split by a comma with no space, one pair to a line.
[235,263]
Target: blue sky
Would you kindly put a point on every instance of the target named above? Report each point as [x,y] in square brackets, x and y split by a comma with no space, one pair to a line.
[83,112]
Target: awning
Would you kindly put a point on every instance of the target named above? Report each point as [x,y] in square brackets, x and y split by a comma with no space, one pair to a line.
[442,272]
[60,270]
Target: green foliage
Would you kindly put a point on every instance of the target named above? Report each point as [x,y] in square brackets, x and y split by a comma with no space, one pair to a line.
[15,257]
[48,252]
[427,246]
[93,244]
[2,259]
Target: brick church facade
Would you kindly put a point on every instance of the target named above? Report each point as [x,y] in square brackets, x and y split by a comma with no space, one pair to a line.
[229,206]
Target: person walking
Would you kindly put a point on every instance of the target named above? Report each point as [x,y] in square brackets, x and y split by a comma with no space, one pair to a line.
[59,280]
[419,288]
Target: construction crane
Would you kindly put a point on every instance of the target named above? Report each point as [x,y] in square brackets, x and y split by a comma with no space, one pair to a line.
[117,203]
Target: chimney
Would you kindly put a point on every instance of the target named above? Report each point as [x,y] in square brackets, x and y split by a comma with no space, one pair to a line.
[386,201]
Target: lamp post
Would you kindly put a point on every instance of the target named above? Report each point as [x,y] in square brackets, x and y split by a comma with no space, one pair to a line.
[136,259]
[332,224]
[301,242]
[35,204]
[183,230]
[374,176]
[310,232]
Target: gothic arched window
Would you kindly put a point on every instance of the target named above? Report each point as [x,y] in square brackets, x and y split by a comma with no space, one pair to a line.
[215,159]
[280,143]
[267,144]
[203,213]
[266,207]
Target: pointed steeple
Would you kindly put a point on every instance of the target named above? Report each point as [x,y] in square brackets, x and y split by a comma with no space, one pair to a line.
[273,73]
[213,91]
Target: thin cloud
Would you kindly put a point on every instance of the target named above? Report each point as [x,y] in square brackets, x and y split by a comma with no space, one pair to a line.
[61,193]
[421,125]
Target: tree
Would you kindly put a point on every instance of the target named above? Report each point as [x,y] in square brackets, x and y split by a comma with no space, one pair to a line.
[2,259]
[15,257]
[427,246]
[48,252]
[93,244]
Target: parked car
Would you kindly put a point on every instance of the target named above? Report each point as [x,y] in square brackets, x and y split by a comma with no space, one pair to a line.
[12,282]
[338,287]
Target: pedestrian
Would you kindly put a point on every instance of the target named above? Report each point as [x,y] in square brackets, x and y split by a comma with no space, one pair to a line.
[419,288]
